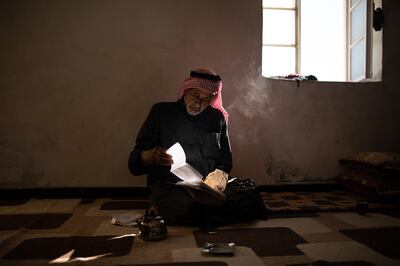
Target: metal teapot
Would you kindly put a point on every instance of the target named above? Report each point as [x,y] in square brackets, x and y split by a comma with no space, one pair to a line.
[152,226]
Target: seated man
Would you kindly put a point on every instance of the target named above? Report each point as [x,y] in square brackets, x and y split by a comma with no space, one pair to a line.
[198,122]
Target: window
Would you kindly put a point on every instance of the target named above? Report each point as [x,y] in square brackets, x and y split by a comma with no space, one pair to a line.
[279,37]
[358,67]
[330,39]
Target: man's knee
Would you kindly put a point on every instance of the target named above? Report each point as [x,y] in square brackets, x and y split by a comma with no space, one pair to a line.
[179,211]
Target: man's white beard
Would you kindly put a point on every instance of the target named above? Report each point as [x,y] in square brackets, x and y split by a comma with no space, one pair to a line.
[191,112]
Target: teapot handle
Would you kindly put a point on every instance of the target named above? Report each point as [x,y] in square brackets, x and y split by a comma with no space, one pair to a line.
[150,212]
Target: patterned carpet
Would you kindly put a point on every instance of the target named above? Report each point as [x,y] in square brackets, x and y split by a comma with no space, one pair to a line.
[339,200]
[304,228]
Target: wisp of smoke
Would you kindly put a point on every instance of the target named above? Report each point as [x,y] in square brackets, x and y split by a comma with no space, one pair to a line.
[253,99]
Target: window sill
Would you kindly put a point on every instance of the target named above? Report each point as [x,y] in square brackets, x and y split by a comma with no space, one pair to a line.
[282,78]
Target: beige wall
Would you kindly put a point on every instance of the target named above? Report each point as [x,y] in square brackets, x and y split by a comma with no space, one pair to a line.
[77,79]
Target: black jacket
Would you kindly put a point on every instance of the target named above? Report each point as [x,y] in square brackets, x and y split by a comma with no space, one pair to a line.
[204,138]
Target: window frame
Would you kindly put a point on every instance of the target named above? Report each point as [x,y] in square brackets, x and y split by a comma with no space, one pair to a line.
[367,75]
[296,45]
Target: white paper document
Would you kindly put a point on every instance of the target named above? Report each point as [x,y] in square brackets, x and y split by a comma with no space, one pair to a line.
[192,179]
[180,167]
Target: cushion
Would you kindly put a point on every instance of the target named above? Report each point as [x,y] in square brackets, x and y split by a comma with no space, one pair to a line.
[372,173]
[388,160]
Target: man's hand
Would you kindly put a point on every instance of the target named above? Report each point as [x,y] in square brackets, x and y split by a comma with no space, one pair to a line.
[217,180]
[156,156]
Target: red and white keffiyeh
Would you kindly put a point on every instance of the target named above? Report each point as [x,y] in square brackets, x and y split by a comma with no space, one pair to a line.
[211,82]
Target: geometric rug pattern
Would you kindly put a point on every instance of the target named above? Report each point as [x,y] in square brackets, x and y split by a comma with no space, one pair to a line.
[79,232]
[83,246]
[33,221]
[384,240]
[275,241]
[278,202]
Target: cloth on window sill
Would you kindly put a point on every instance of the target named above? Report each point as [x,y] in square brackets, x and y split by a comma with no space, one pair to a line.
[296,77]
[299,77]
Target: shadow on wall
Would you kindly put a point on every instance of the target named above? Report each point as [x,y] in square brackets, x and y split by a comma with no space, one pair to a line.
[17,163]
[286,172]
